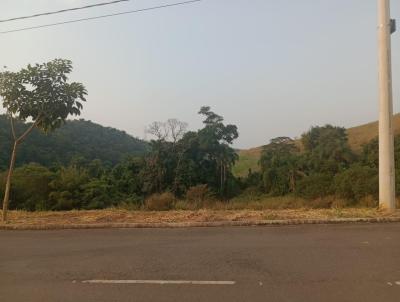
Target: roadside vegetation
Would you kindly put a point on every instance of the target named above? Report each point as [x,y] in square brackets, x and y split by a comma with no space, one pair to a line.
[188,174]
[83,166]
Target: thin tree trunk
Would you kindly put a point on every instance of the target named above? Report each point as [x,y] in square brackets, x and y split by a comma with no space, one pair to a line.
[292,182]
[8,182]
[221,178]
[224,178]
[17,141]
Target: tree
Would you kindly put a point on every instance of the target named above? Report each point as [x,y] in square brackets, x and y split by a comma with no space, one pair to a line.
[177,129]
[215,138]
[179,160]
[163,162]
[281,166]
[327,150]
[41,94]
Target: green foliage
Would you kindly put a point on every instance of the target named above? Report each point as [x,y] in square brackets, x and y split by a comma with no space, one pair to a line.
[326,149]
[127,178]
[67,188]
[308,173]
[356,183]
[97,194]
[92,167]
[30,187]
[201,161]
[280,166]
[42,93]
[202,157]
[77,138]
[314,186]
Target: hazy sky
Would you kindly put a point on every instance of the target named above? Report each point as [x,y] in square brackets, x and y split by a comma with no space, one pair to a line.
[272,67]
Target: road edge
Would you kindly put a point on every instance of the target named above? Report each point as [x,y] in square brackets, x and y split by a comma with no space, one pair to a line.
[172,225]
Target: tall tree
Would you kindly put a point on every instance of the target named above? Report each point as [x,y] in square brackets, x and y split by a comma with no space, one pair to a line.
[41,94]
[216,138]
[281,166]
[327,150]
[178,159]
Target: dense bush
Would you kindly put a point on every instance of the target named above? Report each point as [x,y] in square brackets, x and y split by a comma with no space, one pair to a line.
[30,188]
[356,183]
[315,186]
[198,194]
[160,202]
[324,167]
[67,188]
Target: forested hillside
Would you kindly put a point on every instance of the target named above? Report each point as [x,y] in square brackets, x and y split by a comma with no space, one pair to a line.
[76,139]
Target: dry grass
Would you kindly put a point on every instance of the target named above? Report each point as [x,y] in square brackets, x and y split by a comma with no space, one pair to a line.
[204,215]
[363,134]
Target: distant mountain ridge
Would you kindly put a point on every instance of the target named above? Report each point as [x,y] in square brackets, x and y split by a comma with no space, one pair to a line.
[358,136]
[77,138]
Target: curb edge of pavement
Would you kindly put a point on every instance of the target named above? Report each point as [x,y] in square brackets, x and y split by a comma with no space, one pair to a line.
[197,224]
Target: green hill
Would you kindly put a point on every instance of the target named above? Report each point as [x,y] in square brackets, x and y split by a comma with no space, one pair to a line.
[358,136]
[77,138]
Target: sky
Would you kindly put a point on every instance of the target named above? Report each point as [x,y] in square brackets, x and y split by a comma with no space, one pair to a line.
[273,68]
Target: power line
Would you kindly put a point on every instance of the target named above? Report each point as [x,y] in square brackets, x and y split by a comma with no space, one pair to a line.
[64,10]
[100,17]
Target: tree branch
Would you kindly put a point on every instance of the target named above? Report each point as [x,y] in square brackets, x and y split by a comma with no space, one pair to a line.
[29,130]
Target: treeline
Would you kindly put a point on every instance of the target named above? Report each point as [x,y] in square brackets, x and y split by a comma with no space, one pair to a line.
[319,165]
[177,161]
[77,138]
[196,166]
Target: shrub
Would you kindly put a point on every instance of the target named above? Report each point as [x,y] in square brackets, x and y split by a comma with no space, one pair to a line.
[96,194]
[314,186]
[368,202]
[30,187]
[133,202]
[198,194]
[160,202]
[62,201]
[357,183]
[67,188]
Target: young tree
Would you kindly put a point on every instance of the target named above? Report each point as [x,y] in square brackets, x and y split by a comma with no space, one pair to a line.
[42,95]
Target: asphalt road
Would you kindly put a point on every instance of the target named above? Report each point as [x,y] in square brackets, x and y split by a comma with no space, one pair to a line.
[289,263]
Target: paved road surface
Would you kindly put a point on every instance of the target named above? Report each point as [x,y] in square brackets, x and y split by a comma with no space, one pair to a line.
[290,263]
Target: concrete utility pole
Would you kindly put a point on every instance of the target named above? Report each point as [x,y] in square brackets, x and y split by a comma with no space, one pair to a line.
[386,150]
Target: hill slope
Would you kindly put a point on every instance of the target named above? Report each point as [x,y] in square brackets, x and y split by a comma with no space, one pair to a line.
[358,136]
[77,138]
